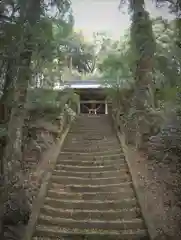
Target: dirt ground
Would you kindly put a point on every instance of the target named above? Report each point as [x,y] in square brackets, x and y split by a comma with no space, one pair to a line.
[156,190]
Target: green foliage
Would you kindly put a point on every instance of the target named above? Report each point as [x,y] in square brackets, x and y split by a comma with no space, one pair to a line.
[143,72]
[167,59]
[54,42]
[54,101]
[3,130]
[116,67]
[48,97]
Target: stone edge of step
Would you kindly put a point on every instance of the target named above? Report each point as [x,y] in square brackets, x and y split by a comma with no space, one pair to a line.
[43,189]
[54,232]
[122,224]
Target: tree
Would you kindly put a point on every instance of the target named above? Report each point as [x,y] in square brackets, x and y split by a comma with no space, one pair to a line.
[80,55]
[143,46]
[27,19]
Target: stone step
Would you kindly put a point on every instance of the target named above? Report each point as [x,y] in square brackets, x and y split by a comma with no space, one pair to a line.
[85,120]
[99,168]
[89,125]
[96,128]
[91,162]
[85,142]
[91,214]
[93,234]
[88,143]
[90,193]
[93,138]
[94,131]
[89,149]
[92,126]
[120,193]
[92,143]
[85,117]
[87,135]
[98,116]
[99,153]
[103,173]
[90,205]
[90,188]
[91,224]
[30,165]
[101,140]
[80,157]
[91,121]
[89,181]
[31,162]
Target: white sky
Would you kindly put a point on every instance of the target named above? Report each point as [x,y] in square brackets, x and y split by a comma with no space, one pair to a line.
[104,15]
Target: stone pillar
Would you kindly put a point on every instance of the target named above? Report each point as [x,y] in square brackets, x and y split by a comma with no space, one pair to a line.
[106,108]
[79,107]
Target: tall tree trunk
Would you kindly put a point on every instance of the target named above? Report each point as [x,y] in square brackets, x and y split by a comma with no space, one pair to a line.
[143,45]
[15,219]
[6,102]
[16,121]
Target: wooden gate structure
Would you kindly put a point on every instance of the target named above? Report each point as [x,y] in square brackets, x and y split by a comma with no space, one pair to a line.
[93,97]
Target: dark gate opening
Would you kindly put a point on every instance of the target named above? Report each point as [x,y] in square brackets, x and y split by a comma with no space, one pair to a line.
[87,108]
[92,101]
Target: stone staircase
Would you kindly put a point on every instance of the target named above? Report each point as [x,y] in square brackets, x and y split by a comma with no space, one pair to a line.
[90,194]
